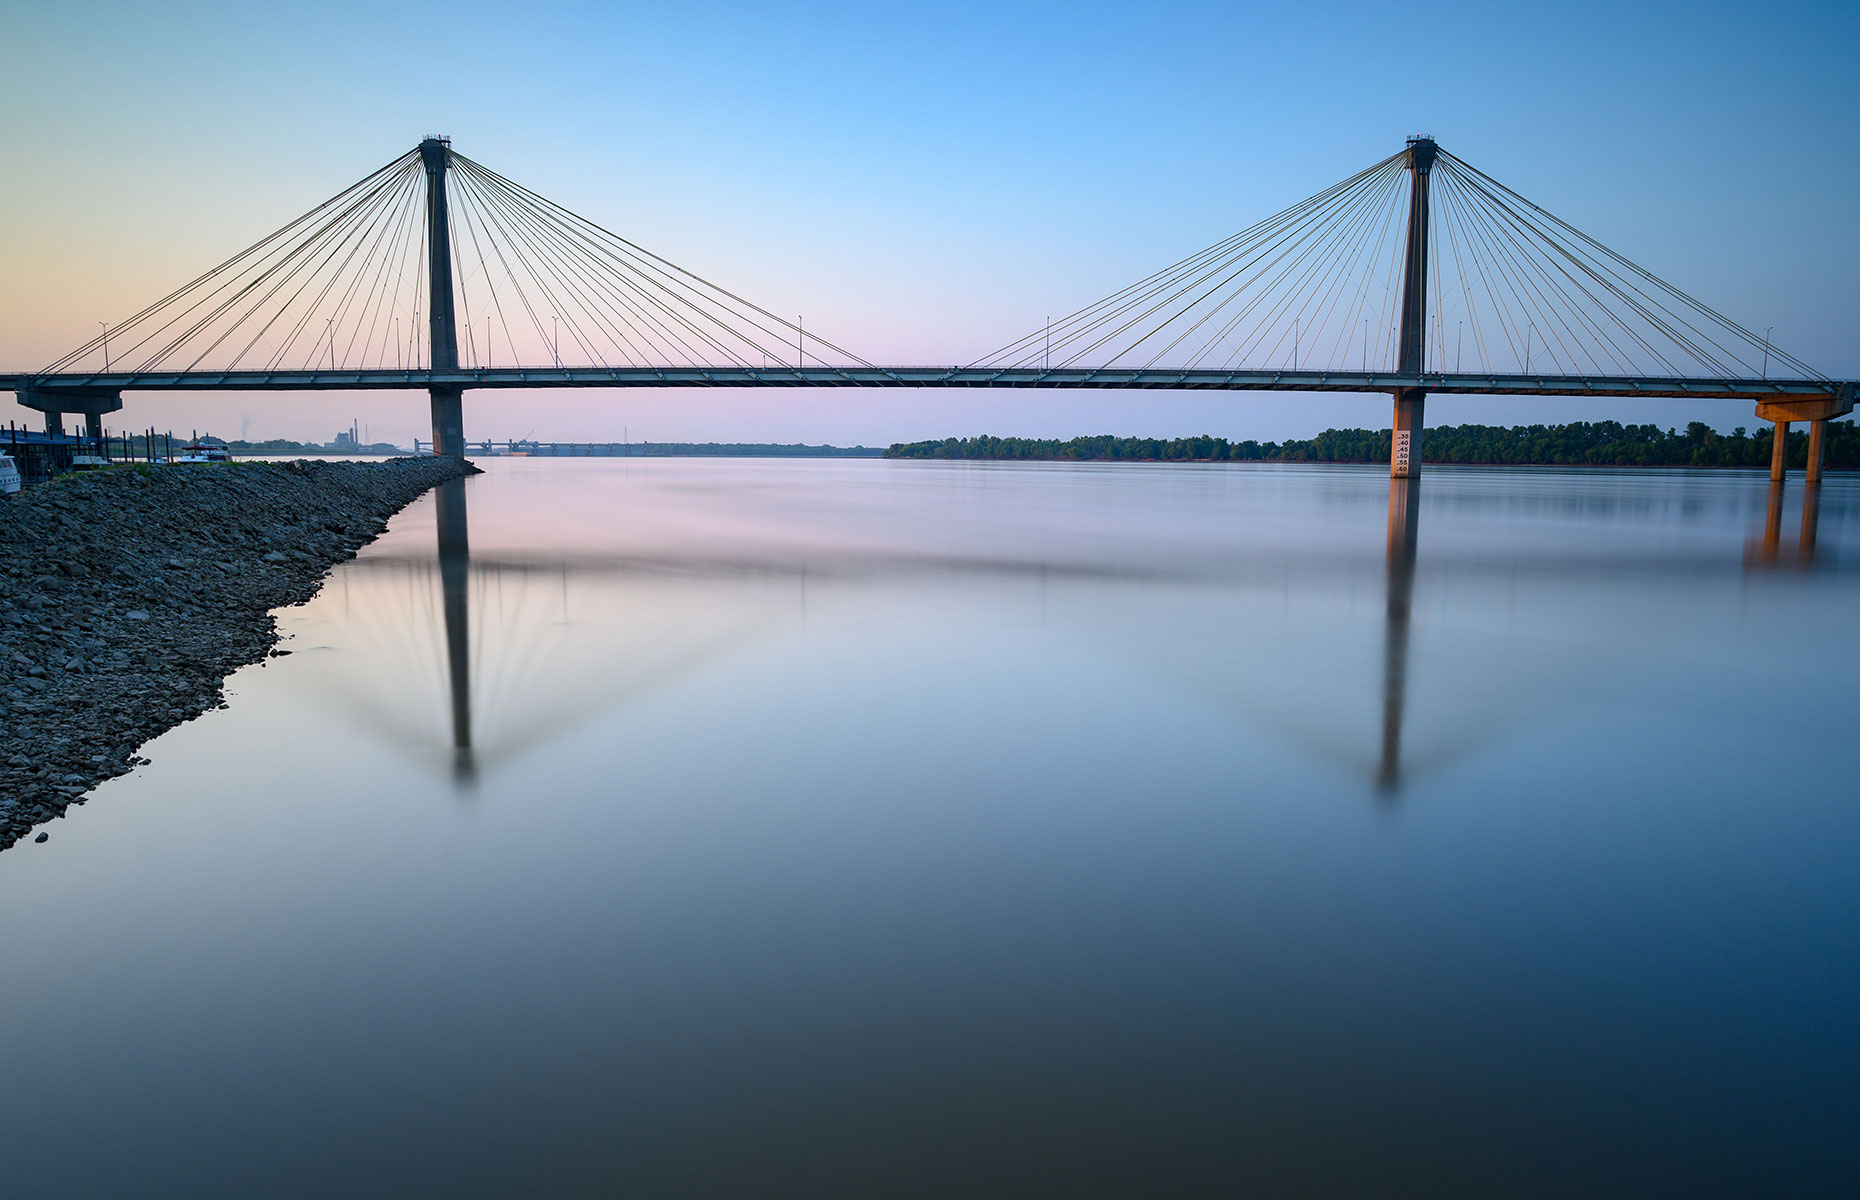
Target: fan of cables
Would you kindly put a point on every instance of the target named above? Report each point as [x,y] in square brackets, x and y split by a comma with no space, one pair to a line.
[1317,287]
[345,287]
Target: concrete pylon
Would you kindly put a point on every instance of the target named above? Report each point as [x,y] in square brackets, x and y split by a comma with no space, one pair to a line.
[1779,453]
[448,402]
[1411,403]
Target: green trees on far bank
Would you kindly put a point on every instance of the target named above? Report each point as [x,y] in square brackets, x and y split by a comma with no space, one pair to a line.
[1581,443]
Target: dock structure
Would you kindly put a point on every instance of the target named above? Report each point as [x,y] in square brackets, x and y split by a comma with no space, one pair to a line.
[41,454]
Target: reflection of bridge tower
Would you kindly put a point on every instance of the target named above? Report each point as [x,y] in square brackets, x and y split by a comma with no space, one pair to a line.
[455,587]
[1404,535]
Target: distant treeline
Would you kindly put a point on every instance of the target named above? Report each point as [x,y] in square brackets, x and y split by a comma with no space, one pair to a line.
[1581,443]
[753,450]
[277,446]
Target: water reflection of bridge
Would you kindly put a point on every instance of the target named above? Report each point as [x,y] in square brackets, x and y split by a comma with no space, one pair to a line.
[514,587]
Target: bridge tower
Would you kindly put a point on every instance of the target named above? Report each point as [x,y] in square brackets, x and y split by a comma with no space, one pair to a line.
[1410,403]
[447,400]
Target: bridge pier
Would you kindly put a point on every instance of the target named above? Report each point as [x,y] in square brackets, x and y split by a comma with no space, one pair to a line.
[448,405]
[89,402]
[1817,413]
[1405,440]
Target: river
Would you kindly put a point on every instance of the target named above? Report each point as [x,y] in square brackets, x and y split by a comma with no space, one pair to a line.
[760,827]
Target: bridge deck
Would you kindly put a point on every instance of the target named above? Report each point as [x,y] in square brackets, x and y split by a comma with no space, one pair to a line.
[928,377]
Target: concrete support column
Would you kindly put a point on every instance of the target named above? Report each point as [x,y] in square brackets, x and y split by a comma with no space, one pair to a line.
[448,404]
[1405,444]
[93,427]
[1815,429]
[54,423]
[1779,453]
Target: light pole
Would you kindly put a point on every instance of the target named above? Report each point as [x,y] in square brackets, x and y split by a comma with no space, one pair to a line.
[1766,351]
[106,344]
[329,323]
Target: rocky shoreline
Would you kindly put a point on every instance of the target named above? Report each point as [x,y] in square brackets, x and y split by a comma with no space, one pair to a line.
[128,595]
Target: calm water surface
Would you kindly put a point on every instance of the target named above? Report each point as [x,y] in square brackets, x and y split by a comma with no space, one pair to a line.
[704,828]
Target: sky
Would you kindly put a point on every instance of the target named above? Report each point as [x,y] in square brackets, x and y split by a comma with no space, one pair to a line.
[922,184]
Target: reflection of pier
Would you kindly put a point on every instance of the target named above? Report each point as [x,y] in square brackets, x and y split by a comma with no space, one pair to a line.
[1404,535]
[1772,551]
[455,585]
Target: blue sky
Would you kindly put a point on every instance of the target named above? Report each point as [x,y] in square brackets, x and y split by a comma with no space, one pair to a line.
[925,184]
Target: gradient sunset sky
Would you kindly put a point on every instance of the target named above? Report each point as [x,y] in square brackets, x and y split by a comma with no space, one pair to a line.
[922,183]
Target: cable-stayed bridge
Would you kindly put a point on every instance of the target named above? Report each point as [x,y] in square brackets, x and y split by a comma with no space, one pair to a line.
[1419,274]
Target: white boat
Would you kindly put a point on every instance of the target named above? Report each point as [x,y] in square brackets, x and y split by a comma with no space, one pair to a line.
[9,474]
[196,452]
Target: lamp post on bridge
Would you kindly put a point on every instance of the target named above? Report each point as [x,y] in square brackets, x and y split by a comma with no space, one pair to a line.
[447,400]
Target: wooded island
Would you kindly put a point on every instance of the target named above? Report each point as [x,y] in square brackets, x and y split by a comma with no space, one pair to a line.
[1580,443]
